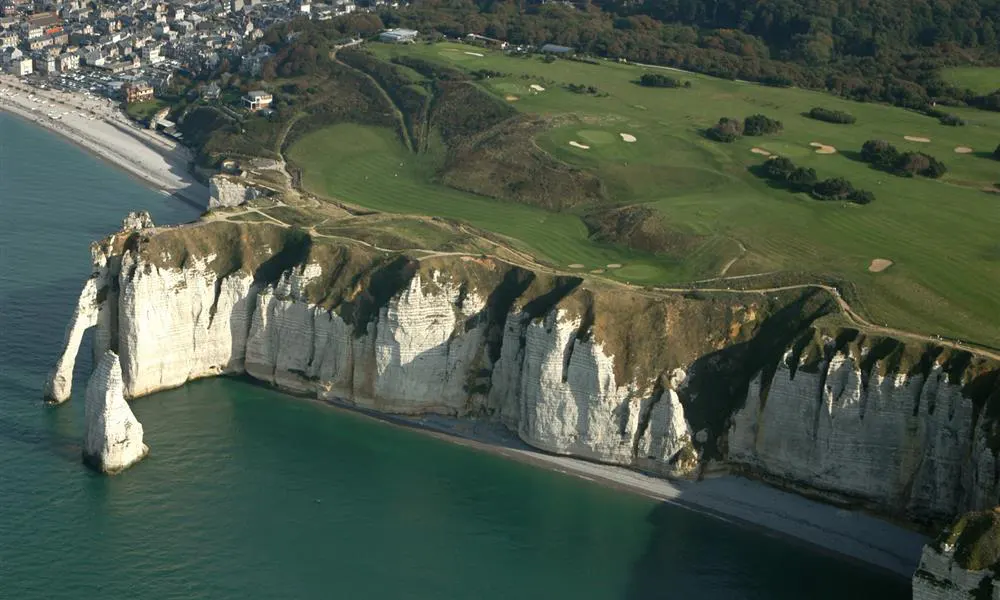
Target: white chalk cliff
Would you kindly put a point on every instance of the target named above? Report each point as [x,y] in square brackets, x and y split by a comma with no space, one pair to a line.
[113,438]
[574,367]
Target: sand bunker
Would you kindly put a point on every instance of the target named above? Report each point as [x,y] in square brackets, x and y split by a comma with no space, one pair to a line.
[577,144]
[760,151]
[510,98]
[823,148]
[963,150]
[879,264]
[474,54]
[913,138]
[576,266]
[537,87]
[627,137]
[615,266]
[597,271]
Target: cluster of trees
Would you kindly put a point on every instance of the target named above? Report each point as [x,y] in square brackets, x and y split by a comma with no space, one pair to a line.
[831,116]
[800,179]
[661,81]
[730,130]
[884,156]
[878,50]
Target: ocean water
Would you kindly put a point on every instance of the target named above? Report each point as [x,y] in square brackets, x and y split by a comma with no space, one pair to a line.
[251,494]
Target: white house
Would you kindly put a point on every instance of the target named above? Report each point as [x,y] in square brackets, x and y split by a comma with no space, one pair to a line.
[22,66]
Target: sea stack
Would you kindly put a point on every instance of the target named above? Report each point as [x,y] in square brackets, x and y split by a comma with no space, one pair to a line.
[113,435]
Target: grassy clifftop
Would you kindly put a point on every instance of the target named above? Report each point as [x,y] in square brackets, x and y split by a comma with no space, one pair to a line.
[975,540]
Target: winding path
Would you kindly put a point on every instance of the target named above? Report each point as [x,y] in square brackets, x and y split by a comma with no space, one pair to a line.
[528,261]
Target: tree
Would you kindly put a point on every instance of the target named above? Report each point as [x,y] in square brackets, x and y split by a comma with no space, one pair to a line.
[760,125]
[726,130]
[802,179]
[778,168]
[911,163]
[880,154]
[835,188]
[861,197]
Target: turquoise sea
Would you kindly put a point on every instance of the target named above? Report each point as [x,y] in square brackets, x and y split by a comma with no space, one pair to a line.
[251,494]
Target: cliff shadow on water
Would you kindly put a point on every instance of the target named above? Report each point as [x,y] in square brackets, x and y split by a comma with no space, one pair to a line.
[719,381]
[720,559]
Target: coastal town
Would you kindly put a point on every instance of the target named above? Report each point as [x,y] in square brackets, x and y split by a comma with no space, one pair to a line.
[105,47]
[92,71]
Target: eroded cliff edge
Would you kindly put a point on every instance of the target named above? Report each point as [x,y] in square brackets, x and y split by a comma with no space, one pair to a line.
[662,382]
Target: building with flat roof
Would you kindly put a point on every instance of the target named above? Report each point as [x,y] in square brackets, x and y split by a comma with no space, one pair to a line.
[257,100]
[398,36]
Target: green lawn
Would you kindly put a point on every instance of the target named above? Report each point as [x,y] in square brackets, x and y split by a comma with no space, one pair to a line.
[979,79]
[943,236]
[369,166]
[145,110]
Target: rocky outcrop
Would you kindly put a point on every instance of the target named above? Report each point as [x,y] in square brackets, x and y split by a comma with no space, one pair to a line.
[134,221]
[113,438]
[962,563]
[609,373]
[226,192]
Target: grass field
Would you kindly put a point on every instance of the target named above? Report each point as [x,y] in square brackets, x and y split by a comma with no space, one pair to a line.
[943,236]
[145,110]
[979,79]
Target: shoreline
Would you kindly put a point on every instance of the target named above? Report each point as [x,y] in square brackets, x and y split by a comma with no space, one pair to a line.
[98,127]
[853,536]
[850,535]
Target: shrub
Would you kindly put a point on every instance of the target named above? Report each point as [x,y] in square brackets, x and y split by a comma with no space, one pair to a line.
[831,116]
[996,153]
[861,197]
[486,73]
[952,120]
[760,125]
[835,188]
[660,80]
[918,163]
[579,88]
[726,130]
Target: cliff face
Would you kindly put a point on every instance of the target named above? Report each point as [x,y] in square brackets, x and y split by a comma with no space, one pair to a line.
[611,373]
[852,425]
